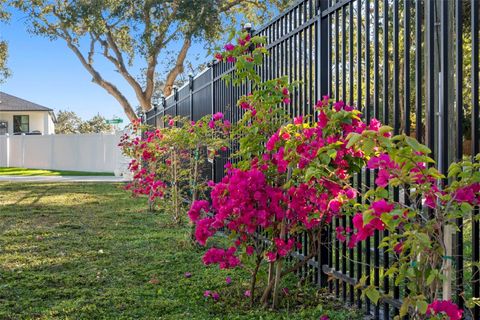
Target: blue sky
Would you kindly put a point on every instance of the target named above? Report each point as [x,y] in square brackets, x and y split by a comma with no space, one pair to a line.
[48,73]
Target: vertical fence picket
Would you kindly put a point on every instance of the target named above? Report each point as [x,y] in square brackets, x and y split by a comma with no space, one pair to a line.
[459,144]
[475,148]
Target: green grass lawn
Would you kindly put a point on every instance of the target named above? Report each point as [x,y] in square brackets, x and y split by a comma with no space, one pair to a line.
[43,172]
[90,251]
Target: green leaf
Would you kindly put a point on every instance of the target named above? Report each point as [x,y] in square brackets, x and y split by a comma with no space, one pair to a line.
[332,153]
[422,306]
[417,146]
[466,207]
[454,170]
[367,216]
[368,146]
[382,193]
[353,138]
[384,129]
[431,277]
[373,294]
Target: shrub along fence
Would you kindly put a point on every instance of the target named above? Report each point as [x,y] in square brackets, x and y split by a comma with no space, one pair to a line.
[411,64]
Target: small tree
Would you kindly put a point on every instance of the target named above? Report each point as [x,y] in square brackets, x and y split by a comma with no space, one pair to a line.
[97,124]
[67,122]
[166,161]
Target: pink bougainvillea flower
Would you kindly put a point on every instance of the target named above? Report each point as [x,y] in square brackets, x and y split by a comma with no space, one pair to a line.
[204,230]
[286,291]
[324,317]
[188,275]
[335,206]
[231,59]
[272,141]
[249,250]
[446,307]
[322,120]
[228,280]
[196,209]
[171,122]
[215,296]
[374,124]
[247,293]
[245,105]
[207,293]
[351,193]
[469,194]
[382,206]
[340,233]
[382,178]
[229,47]
[224,258]
[218,56]
[211,124]
[271,256]
[285,136]
[339,105]
[298,120]
[217,116]
[398,248]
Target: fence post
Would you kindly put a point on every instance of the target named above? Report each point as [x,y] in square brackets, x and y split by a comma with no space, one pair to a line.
[322,55]
[175,92]
[190,85]
[212,97]
[164,105]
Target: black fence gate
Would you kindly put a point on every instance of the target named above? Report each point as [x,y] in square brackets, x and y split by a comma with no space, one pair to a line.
[413,64]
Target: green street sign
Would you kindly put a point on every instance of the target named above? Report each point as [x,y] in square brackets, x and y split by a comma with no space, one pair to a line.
[114,121]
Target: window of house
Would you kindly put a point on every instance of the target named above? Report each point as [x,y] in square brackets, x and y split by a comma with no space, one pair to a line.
[21,124]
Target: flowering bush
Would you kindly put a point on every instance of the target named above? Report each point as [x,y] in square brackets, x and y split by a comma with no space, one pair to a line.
[420,224]
[292,177]
[287,179]
[166,162]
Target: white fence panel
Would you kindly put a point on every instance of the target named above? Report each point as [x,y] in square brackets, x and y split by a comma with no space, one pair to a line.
[3,151]
[79,152]
[15,151]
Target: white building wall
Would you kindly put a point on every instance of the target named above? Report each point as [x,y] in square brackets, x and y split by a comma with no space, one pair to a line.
[39,120]
[94,152]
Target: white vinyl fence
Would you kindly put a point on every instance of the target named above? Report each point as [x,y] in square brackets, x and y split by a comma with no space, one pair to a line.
[94,152]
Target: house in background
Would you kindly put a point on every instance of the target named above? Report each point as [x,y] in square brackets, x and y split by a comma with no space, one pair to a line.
[19,116]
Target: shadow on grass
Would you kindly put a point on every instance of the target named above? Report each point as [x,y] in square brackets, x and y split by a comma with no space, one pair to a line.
[90,251]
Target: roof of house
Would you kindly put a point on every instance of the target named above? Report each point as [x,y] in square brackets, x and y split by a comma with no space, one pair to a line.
[12,103]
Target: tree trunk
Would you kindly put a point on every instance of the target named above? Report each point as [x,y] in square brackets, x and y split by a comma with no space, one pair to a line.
[278,271]
[254,280]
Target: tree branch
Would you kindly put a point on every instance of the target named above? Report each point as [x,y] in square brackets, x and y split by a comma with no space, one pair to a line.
[178,69]
[122,69]
[97,78]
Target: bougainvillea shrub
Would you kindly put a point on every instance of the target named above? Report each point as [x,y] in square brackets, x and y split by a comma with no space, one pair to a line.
[293,177]
[287,180]
[419,222]
[166,162]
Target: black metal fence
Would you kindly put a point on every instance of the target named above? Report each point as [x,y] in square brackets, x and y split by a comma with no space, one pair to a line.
[413,64]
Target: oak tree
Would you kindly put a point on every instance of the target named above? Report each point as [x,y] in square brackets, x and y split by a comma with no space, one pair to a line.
[149,31]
